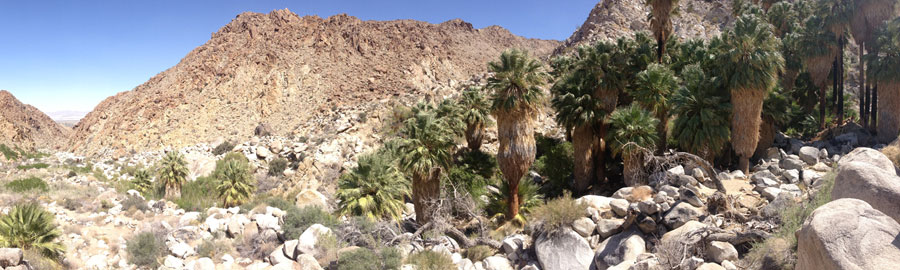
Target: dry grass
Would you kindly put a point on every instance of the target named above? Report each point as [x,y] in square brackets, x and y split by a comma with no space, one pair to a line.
[893,152]
[888,111]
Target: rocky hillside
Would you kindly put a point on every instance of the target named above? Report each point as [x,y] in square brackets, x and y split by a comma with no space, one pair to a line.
[293,73]
[25,126]
[611,19]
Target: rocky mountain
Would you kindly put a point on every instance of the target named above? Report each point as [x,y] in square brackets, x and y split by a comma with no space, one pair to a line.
[611,19]
[25,126]
[294,74]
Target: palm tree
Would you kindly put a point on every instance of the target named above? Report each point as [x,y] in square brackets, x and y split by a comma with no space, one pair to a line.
[633,128]
[235,186]
[424,154]
[868,16]
[30,227]
[142,182]
[819,48]
[516,101]
[703,114]
[476,111]
[654,86]
[373,189]
[529,197]
[172,173]
[883,68]
[450,112]
[751,62]
[837,17]
[661,22]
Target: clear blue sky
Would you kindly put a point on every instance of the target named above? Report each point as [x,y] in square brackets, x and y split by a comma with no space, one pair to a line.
[70,55]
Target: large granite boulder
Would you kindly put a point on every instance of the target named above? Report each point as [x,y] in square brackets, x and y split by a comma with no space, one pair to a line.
[867,182]
[616,249]
[869,156]
[563,250]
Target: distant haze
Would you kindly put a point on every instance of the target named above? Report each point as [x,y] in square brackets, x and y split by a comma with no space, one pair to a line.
[66,116]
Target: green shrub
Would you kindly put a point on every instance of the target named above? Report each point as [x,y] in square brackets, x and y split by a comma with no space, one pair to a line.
[557,213]
[556,164]
[143,184]
[473,172]
[135,202]
[223,148]
[9,153]
[146,250]
[277,166]
[198,195]
[214,249]
[430,260]
[27,184]
[367,259]
[298,220]
[479,253]
[30,227]
[234,185]
[33,166]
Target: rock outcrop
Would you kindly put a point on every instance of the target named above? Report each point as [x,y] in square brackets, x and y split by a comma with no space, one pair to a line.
[848,234]
[295,74]
[27,127]
[864,176]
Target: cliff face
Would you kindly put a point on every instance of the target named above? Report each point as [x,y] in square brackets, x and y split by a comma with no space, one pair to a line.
[27,127]
[284,70]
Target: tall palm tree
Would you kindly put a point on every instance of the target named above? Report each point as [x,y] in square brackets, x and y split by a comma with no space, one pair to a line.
[660,18]
[751,62]
[837,17]
[633,128]
[30,227]
[703,114]
[172,173]
[606,68]
[235,180]
[516,101]
[868,16]
[819,48]
[883,68]
[476,110]
[424,154]
[374,188]
[579,111]
[654,86]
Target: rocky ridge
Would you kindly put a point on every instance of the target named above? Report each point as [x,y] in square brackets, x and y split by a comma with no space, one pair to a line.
[25,126]
[296,74]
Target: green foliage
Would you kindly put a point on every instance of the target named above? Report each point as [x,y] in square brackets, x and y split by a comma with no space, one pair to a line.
[479,253]
[884,64]
[277,166]
[451,113]
[172,173]
[516,81]
[33,166]
[750,55]
[431,260]
[30,227]
[631,127]
[234,180]
[574,98]
[473,172]
[557,213]
[555,162]
[27,184]
[654,87]
[145,250]
[703,114]
[198,195]
[425,143]
[298,220]
[366,259]
[374,189]
[135,202]
[9,153]
[214,248]
[223,148]
[529,198]
[143,184]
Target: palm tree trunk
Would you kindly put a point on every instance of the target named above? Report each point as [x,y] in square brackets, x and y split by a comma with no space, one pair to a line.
[426,189]
[873,112]
[766,136]
[889,115]
[662,129]
[515,129]
[583,144]
[474,136]
[864,111]
[609,98]
[822,104]
[863,87]
[745,123]
[834,85]
[660,48]
[840,97]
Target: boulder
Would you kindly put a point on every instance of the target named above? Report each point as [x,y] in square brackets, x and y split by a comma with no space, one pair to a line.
[848,234]
[792,162]
[864,181]
[607,227]
[181,249]
[791,176]
[266,222]
[205,264]
[497,263]
[680,214]
[173,263]
[584,226]
[682,234]
[309,197]
[710,266]
[625,246]
[306,262]
[277,256]
[810,155]
[595,202]
[721,251]
[199,164]
[619,206]
[310,237]
[869,156]
[563,250]
[10,257]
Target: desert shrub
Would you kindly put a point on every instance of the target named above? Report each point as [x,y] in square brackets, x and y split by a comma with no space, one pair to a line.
[27,184]
[555,163]
[33,166]
[135,202]
[366,259]
[234,185]
[71,174]
[257,246]
[473,172]
[71,204]
[557,213]
[893,153]
[30,227]
[146,250]
[198,195]
[479,253]
[529,198]
[214,249]
[431,260]
[223,148]
[38,261]
[277,166]
[298,220]
[9,153]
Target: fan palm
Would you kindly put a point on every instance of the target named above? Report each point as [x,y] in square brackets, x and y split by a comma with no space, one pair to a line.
[424,154]
[819,48]
[172,173]
[867,17]
[373,189]
[751,62]
[632,128]
[660,17]
[451,113]
[529,197]
[235,186]
[883,68]
[476,111]
[516,101]
[703,114]
[654,86]
[142,182]
[30,227]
